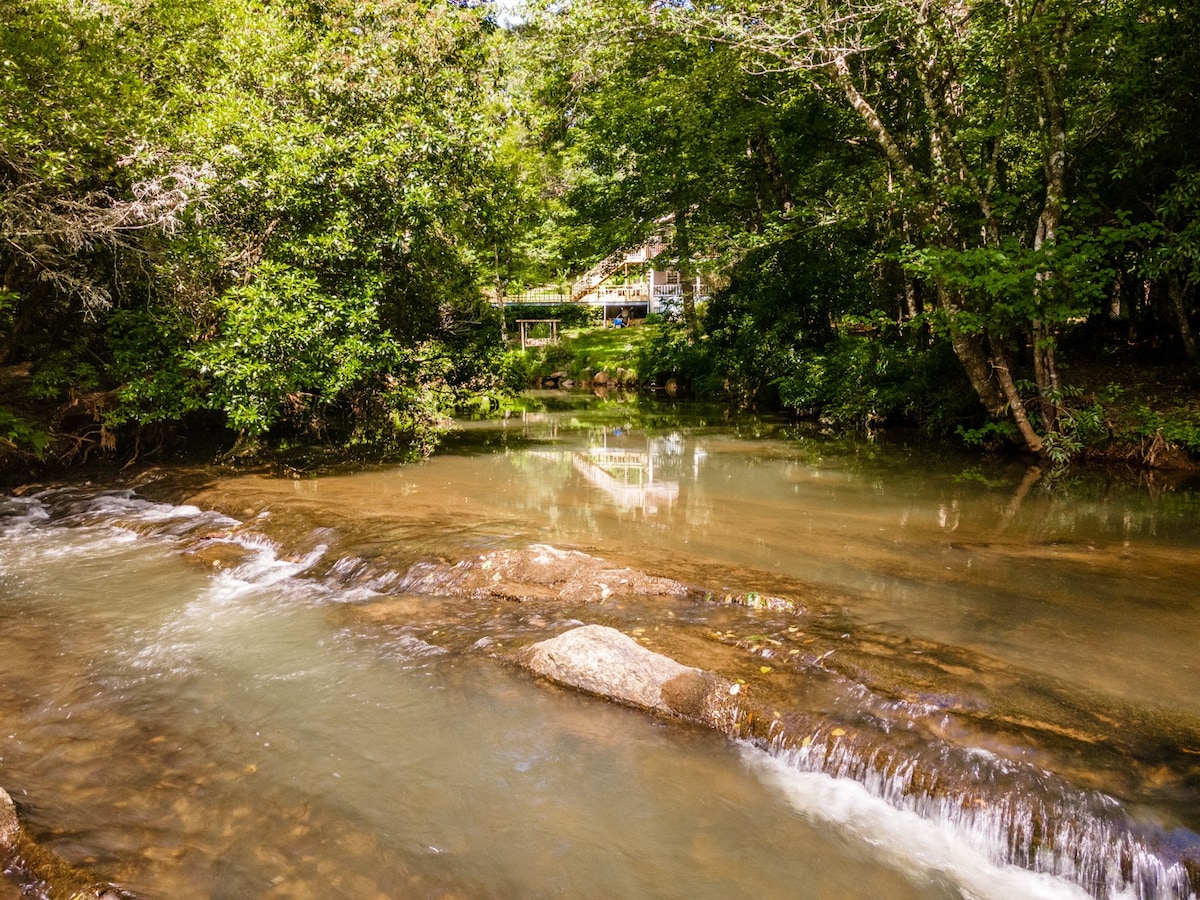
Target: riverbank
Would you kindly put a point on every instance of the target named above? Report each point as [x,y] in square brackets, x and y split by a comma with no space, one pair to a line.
[1138,408]
[40,873]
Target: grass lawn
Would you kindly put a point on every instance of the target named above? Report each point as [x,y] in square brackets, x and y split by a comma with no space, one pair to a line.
[582,352]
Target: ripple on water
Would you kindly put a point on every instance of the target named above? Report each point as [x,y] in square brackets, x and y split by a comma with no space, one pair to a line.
[216,731]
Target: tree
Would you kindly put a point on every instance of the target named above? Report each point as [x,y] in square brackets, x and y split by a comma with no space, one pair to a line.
[655,129]
[72,204]
[968,105]
[265,211]
[1141,174]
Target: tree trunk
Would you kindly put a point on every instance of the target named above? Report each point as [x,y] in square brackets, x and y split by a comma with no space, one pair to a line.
[1054,163]
[912,299]
[759,147]
[501,292]
[969,348]
[1016,407]
[975,362]
[1179,314]
[991,377]
[912,303]
[687,279]
[891,149]
[1045,373]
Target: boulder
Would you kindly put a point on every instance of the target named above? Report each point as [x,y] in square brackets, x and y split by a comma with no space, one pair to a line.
[606,662]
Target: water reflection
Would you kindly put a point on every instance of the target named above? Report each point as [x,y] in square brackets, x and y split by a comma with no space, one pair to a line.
[627,469]
[985,555]
[1060,601]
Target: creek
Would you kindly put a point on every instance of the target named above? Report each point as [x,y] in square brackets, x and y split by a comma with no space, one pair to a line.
[985,682]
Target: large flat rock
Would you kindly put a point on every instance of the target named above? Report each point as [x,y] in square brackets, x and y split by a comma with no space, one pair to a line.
[539,573]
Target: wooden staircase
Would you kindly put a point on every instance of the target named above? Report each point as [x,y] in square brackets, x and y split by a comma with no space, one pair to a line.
[597,275]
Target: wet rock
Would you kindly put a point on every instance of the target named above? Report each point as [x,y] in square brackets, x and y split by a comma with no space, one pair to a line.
[9,826]
[220,550]
[540,573]
[609,663]
[30,863]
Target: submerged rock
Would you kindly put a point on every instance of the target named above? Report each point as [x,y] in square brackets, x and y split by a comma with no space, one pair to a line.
[539,572]
[33,865]
[609,663]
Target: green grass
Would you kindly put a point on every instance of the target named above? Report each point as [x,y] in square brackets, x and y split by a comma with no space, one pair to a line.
[582,352]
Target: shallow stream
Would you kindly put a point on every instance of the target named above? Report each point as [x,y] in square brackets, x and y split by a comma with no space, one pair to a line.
[193,704]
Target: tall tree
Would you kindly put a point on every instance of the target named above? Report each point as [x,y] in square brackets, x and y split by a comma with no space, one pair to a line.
[968,105]
[269,211]
[656,128]
[74,207]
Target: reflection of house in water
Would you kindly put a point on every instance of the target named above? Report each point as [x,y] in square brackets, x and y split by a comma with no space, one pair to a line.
[631,478]
[626,477]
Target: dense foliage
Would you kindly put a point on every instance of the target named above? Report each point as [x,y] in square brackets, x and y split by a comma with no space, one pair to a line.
[266,213]
[286,218]
[909,201]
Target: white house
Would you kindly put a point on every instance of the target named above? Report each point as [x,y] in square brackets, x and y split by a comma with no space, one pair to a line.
[626,281]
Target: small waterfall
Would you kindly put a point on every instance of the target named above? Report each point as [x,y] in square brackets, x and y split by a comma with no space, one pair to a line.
[1011,814]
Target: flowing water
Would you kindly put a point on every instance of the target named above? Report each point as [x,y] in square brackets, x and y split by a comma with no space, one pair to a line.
[986,679]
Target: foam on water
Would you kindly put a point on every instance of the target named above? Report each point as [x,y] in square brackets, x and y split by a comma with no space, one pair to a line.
[262,570]
[1017,832]
[22,511]
[30,536]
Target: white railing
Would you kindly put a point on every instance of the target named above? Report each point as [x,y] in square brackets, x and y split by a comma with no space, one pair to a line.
[538,298]
[622,293]
[667,292]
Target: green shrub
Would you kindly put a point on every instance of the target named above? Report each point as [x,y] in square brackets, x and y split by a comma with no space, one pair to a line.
[860,381]
[20,434]
[1180,428]
[669,353]
[150,359]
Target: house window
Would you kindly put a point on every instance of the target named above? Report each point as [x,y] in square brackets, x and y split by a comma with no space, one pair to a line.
[673,276]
